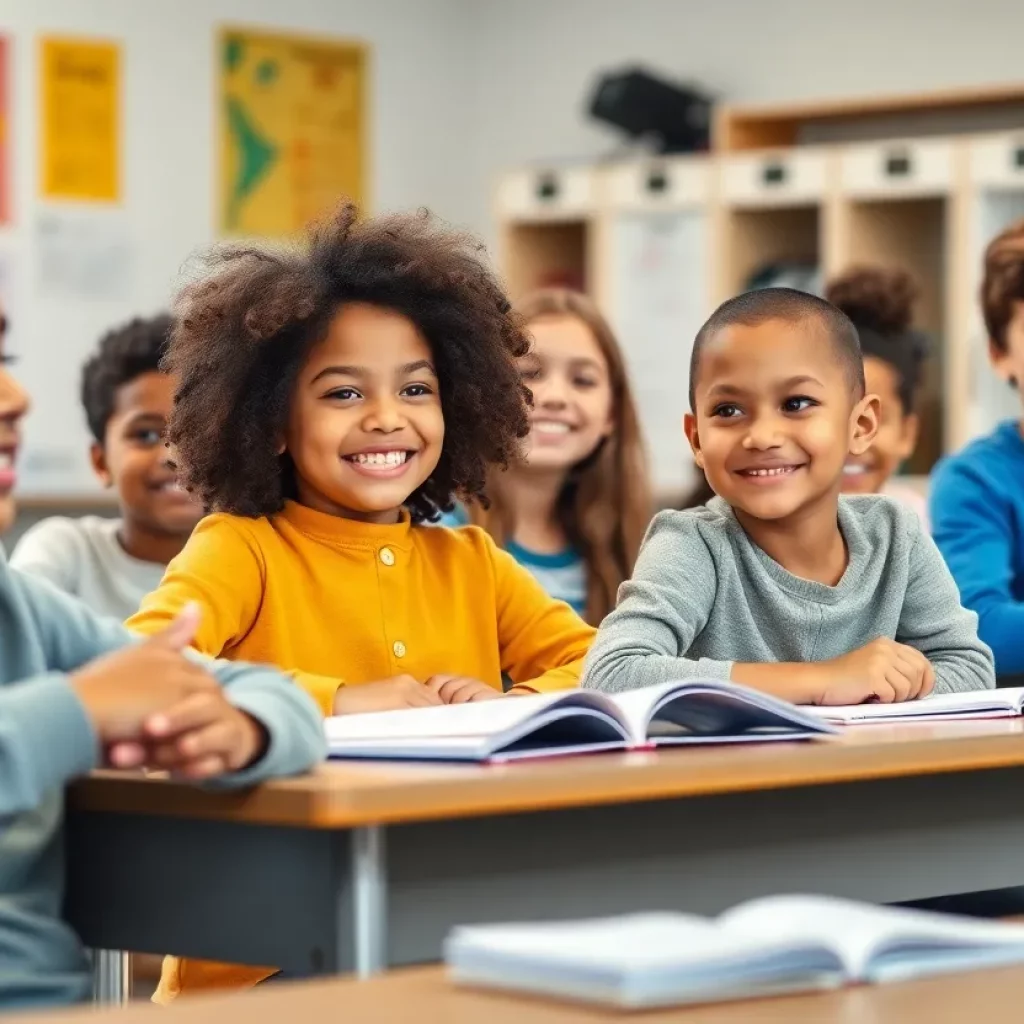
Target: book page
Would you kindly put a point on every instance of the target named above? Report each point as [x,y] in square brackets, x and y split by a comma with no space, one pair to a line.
[480,718]
[859,932]
[1006,701]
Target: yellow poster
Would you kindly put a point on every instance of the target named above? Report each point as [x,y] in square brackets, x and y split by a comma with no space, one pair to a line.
[291,130]
[80,119]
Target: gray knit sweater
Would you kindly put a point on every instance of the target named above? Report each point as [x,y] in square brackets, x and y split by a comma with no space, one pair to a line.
[704,596]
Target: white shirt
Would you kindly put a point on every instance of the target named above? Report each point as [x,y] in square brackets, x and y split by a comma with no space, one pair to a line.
[84,557]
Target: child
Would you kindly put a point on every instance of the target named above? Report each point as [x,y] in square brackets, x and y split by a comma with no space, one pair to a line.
[75,692]
[880,304]
[332,401]
[977,496]
[574,511]
[111,564]
[777,583]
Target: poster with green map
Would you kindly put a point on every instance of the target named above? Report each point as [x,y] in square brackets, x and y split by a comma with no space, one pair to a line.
[292,124]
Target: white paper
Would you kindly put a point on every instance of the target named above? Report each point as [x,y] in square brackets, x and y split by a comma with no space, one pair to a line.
[83,254]
[660,293]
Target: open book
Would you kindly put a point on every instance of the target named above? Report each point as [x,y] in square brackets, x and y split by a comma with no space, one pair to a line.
[573,721]
[1005,703]
[767,946]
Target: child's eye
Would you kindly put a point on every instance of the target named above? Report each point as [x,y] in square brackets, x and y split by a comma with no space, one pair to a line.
[148,437]
[798,403]
[344,394]
[726,411]
[529,372]
[585,383]
[416,391]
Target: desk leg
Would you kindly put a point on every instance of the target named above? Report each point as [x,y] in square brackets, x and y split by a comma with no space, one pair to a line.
[368,901]
[111,977]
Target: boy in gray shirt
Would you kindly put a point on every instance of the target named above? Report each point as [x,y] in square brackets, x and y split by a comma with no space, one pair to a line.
[778,583]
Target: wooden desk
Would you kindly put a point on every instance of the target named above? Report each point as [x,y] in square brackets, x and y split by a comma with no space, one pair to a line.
[424,996]
[361,866]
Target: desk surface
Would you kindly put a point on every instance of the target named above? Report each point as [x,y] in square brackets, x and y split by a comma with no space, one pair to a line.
[423,995]
[349,794]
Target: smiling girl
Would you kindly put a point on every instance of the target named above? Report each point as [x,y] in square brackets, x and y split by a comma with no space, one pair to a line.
[333,401]
[575,509]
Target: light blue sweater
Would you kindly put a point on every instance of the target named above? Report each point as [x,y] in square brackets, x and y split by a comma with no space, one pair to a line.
[46,739]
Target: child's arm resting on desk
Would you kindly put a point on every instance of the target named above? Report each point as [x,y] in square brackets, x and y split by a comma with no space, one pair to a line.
[542,641]
[666,605]
[48,735]
[660,611]
[934,622]
[973,528]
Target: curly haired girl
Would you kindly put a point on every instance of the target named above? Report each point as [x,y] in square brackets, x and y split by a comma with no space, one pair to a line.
[333,399]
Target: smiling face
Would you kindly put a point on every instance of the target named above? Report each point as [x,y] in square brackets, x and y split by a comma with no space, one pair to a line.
[134,459]
[776,418]
[896,437]
[572,393]
[365,428]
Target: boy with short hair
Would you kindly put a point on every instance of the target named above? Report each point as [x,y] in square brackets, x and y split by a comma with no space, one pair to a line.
[977,496]
[778,583]
[78,691]
[111,564]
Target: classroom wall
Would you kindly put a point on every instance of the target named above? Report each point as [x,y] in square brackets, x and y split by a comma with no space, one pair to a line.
[418,75]
[535,61]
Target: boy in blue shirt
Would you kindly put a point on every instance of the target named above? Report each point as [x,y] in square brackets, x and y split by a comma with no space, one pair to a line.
[977,496]
[77,692]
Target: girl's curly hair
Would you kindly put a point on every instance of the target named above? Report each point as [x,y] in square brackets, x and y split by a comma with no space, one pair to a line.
[880,302]
[244,328]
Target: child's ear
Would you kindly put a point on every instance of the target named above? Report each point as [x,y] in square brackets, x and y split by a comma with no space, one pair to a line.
[864,424]
[690,428]
[98,458]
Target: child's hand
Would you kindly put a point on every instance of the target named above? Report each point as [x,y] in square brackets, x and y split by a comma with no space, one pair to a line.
[882,670]
[202,736]
[461,689]
[384,695]
[121,690]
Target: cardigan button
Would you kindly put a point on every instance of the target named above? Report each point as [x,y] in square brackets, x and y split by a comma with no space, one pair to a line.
[387,556]
[399,648]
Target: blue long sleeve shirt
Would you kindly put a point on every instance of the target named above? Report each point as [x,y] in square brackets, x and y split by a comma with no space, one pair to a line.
[977,513]
[46,739]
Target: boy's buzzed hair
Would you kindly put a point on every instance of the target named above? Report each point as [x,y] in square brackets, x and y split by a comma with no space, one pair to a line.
[761,305]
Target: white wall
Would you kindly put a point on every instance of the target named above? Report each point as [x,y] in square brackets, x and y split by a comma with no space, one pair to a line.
[418,80]
[536,60]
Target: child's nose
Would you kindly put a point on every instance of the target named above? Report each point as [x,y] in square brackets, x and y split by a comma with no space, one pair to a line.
[384,416]
[762,433]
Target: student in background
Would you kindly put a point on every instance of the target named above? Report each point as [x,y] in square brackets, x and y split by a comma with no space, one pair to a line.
[977,496]
[575,509]
[77,693]
[880,304]
[778,583]
[111,564]
[333,401]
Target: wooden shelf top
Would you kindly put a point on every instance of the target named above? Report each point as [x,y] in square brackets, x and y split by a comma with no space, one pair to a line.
[425,995]
[341,795]
[761,126]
